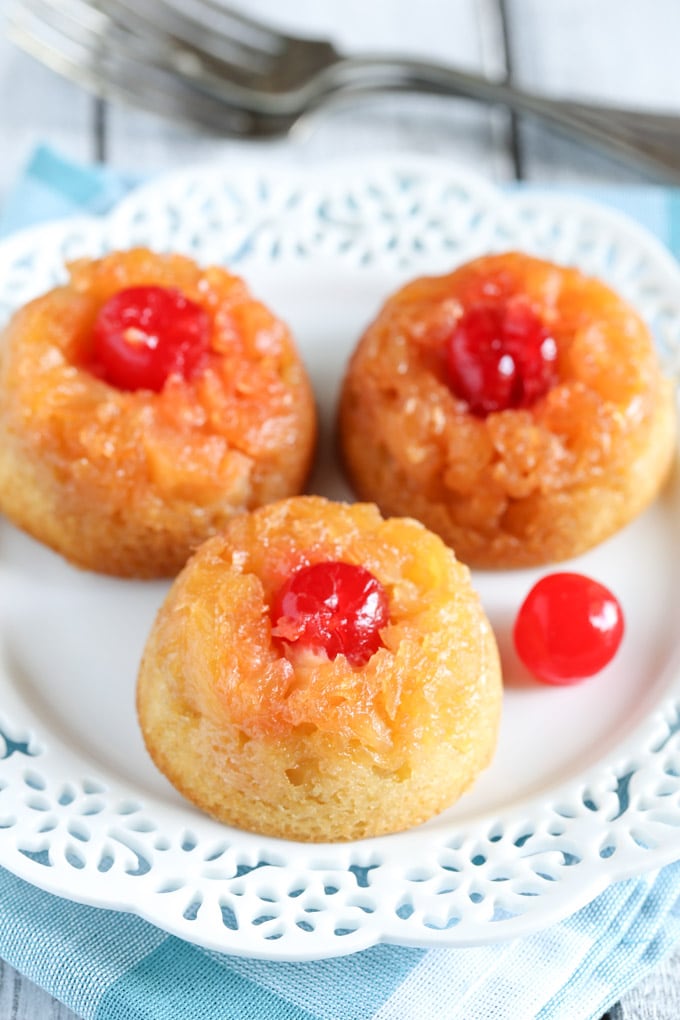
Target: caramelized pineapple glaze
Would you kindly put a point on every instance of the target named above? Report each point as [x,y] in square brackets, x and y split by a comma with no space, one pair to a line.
[557,466]
[289,742]
[129,482]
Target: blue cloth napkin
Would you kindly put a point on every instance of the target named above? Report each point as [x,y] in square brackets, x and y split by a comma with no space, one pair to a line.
[114,966]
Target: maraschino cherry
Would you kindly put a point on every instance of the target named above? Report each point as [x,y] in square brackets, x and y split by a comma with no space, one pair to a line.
[332,607]
[142,335]
[569,627]
[500,356]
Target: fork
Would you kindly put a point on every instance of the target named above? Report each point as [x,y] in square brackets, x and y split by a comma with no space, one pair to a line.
[217,67]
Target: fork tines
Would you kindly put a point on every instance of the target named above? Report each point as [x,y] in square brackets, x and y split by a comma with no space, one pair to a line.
[117,50]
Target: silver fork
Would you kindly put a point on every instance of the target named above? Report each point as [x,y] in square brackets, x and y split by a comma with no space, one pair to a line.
[214,66]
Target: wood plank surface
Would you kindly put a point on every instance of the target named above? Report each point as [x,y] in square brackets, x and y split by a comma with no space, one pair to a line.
[37,106]
[609,51]
[468,33]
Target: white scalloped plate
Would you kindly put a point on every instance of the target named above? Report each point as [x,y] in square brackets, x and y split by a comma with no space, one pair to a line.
[585,785]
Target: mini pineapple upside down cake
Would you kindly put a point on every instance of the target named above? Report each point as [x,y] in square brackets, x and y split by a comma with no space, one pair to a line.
[142,405]
[319,673]
[514,406]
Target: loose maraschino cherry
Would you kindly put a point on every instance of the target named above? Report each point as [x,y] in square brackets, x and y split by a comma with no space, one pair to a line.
[333,607]
[568,628]
[501,356]
[142,335]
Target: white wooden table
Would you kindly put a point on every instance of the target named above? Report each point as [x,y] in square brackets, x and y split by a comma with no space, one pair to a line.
[616,50]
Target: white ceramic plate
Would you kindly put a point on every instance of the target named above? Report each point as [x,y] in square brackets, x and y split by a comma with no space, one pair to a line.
[585,786]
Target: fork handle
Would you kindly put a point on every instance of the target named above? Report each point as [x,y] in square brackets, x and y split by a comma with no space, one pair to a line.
[651,139]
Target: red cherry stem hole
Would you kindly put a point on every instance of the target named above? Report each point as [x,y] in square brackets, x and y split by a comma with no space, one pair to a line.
[501,356]
[143,335]
[331,607]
